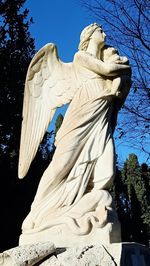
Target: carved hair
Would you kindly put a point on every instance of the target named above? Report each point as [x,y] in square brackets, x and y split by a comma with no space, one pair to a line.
[86,34]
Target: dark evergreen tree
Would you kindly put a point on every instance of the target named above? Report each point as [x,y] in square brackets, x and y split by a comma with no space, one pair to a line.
[16,51]
[145,172]
[138,200]
[120,196]
[131,193]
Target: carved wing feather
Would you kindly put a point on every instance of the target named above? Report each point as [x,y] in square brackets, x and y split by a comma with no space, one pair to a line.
[49,84]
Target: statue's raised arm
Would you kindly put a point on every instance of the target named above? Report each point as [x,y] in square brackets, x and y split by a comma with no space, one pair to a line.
[72,205]
[50,83]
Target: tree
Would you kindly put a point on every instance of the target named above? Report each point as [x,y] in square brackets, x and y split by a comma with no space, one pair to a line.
[127,25]
[136,193]
[16,51]
[145,174]
[120,196]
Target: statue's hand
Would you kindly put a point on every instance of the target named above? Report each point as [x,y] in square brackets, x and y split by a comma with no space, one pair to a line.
[122,60]
[113,58]
[118,59]
[114,69]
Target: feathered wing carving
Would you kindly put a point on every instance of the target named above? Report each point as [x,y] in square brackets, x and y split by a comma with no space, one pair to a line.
[49,84]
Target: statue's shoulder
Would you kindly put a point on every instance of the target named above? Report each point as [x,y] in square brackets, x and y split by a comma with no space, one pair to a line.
[81,56]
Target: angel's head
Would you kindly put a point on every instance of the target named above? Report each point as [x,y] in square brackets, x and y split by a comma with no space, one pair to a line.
[93,31]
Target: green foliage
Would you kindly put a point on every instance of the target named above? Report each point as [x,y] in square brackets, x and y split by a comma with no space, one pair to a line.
[132,197]
[16,51]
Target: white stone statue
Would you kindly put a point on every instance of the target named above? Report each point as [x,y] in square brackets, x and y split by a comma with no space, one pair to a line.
[72,205]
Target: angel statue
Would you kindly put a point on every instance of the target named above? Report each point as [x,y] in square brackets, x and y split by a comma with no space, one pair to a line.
[72,205]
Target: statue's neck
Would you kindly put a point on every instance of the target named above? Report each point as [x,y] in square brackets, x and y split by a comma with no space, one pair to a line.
[94,49]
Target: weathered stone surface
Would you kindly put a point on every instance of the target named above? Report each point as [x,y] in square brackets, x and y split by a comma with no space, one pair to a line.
[27,254]
[90,255]
[45,254]
[62,236]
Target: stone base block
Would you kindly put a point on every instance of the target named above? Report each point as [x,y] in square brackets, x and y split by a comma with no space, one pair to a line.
[45,254]
[61,236]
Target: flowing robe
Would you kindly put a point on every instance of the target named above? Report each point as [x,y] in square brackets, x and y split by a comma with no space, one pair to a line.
[74,185]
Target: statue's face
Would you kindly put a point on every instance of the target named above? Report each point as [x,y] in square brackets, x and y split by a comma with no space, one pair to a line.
[99,36]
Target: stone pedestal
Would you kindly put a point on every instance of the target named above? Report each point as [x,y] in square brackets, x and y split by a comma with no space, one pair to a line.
[45,254]
[61,236]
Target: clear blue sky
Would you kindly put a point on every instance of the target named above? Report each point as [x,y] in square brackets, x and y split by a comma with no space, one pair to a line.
[60,22]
